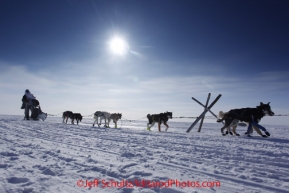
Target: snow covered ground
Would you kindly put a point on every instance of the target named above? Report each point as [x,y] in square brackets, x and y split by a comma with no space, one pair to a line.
[50,156]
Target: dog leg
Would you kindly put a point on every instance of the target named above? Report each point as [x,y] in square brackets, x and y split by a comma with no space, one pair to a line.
[149,127]
[166,126]
[228,131]
[159,125]
[234,130]
[95,121]
[100,120]
[233,125]
[222,130]
[115,123]
[105,122]
[249,129]
[257,125]
[258,131]
[108,121]
[260,127]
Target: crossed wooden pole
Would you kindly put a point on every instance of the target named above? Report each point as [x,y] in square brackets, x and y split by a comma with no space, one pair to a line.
[206,109]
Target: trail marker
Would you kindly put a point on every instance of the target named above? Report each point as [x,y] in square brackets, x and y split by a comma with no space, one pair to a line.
[204,112]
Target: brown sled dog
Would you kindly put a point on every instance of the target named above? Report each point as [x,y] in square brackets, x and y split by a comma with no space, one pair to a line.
[66,115]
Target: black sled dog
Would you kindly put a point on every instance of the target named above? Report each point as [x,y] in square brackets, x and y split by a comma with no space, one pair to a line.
[38,114]
[159,118]
[248,115]
[77,117]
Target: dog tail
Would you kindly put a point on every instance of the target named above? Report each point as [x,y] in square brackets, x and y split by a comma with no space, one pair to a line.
[221,114]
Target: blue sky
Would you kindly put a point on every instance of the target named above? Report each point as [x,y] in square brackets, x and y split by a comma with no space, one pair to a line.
[59,49]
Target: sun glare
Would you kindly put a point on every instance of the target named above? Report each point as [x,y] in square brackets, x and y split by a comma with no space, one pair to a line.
[118,46]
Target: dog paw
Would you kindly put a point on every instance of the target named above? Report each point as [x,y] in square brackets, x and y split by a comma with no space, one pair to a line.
[237,134]
[231,133]
[267,133]
[264,135]
[227,132]
[223,134]
[249,136]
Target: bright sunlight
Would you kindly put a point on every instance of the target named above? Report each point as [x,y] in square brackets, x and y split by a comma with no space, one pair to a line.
[119,46]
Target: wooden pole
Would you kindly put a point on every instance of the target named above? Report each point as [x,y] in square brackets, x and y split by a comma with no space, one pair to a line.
[209,110]
[204,107]
[203,114]
[202,120]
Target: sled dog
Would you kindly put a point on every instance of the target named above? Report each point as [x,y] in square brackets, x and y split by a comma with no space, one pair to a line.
[101,115]
[42,116]
[77,117]
[67,115]
[235,124]
[159,118]
[115,117]
[249,115]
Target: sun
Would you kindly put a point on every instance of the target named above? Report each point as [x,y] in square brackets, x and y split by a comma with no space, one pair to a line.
[118,46]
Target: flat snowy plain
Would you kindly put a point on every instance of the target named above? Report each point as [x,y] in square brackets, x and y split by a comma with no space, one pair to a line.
[49,156]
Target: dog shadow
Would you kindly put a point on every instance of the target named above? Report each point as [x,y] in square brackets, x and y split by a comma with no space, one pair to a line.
[275,140]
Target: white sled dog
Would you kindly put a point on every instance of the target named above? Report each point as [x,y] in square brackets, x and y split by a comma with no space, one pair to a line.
[234,125]
[42,116]
[101,115]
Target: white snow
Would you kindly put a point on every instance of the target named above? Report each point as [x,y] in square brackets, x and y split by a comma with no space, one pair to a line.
[49,156]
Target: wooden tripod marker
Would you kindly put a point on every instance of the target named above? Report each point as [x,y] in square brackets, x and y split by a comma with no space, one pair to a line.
[203,114]
[209,110]
[202,120]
